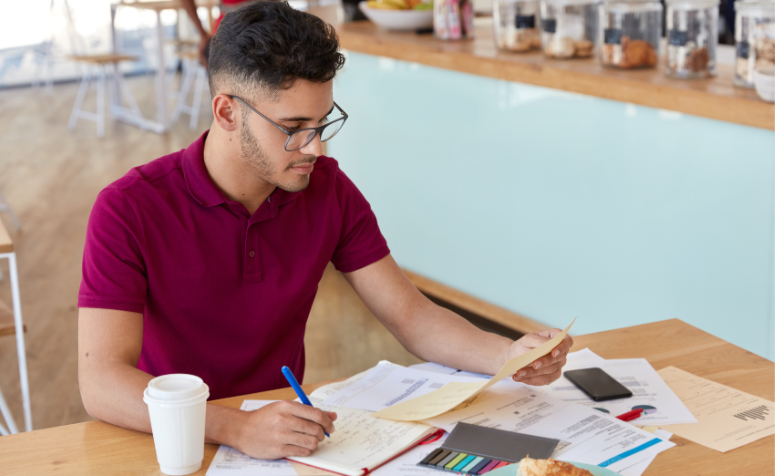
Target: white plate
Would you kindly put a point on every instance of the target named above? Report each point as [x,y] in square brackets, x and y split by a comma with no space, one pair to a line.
[398,19]
[511,470]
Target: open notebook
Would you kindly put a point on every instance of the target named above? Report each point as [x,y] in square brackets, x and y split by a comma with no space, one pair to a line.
[362,443]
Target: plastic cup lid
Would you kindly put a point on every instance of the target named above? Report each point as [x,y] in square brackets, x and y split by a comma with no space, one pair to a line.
[176,387]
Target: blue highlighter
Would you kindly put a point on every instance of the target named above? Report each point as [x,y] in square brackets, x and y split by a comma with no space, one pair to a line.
[297,388]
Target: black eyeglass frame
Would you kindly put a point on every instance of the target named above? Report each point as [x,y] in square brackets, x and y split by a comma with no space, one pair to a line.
[318,130]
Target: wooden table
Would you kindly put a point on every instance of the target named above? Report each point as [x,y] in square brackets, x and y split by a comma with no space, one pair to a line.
[97,448]
[714,98]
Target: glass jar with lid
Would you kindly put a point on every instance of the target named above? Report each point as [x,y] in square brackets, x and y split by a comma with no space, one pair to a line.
[753,46]
[516,25]
[692,38]
[630,32]
[569,28]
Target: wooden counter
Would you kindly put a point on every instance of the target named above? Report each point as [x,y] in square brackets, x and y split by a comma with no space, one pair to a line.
[715,98]
[97,448]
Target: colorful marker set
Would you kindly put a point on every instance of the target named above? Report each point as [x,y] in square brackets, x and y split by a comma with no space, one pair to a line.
[459,462]
[476,450]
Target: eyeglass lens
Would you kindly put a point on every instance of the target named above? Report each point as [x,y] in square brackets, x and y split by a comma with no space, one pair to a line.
[299,139]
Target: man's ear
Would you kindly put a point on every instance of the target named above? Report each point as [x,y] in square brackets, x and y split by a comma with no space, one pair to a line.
[224,112]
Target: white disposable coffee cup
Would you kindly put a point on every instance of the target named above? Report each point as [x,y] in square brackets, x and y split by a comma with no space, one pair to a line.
[177,404]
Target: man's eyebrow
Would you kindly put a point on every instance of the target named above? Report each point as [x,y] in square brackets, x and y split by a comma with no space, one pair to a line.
[304,119]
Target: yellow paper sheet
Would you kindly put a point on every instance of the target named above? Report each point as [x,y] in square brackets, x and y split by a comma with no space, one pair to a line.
[727,418]
[453,394]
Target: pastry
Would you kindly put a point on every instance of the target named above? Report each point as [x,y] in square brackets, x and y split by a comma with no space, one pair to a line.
[638,53]
[549,467]
[629,54]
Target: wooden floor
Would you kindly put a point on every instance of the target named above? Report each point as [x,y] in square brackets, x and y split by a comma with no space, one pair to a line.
[51,178]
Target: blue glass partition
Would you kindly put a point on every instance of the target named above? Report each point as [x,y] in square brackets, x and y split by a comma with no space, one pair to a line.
[554,204]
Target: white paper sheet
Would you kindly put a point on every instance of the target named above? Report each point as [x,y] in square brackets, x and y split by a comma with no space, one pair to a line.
[584,354]
[388,384]
[321,393]
[231,462]
[441,369]
[639,468]
[585,435]
[662,405]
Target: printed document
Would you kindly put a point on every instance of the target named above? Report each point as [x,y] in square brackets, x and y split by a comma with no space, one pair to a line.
[453,394]
[388,384]
[661,406]
[728,418]
[441,369]
[586,435]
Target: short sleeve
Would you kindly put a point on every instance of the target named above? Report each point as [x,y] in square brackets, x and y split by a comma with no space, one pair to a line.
[361,243]
[114,272]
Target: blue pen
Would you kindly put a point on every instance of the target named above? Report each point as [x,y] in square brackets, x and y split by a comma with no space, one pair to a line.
[297,388]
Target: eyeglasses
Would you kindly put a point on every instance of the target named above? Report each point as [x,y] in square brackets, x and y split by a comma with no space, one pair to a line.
[299,139]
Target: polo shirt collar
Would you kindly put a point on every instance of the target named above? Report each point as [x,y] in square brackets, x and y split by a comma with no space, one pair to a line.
[200,185]
[204,190]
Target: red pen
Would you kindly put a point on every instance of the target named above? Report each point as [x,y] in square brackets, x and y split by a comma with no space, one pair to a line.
[631,415]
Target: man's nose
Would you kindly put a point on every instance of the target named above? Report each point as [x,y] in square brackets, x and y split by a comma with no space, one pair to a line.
[315,147]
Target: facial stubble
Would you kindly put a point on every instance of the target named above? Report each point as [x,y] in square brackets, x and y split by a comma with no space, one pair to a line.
[258,159]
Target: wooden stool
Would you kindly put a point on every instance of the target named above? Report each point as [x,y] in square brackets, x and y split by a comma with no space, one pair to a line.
[179,45]
[11,323]
[106,67]
[193,71]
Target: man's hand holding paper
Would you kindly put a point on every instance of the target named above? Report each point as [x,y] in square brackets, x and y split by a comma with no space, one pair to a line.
[547,368]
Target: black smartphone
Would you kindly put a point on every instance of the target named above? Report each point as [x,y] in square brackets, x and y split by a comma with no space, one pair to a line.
[597,384]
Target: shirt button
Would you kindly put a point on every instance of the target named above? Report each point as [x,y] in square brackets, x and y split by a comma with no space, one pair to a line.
[252,253]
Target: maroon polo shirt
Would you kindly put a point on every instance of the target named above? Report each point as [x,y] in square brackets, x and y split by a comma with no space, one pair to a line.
[224,295]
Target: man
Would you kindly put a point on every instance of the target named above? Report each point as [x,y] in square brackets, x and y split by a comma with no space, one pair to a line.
[206,261]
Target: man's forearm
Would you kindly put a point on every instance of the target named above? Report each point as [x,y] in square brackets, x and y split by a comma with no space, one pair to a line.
[439,335]
[428,331]
[115,396]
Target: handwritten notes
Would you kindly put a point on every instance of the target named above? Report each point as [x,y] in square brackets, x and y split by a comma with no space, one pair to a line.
[363,442]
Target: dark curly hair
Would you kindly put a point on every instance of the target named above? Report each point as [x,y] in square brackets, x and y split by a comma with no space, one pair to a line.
[266,46]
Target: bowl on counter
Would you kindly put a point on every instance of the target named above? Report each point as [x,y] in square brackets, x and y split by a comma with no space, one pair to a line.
[765,85]
[401,20]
